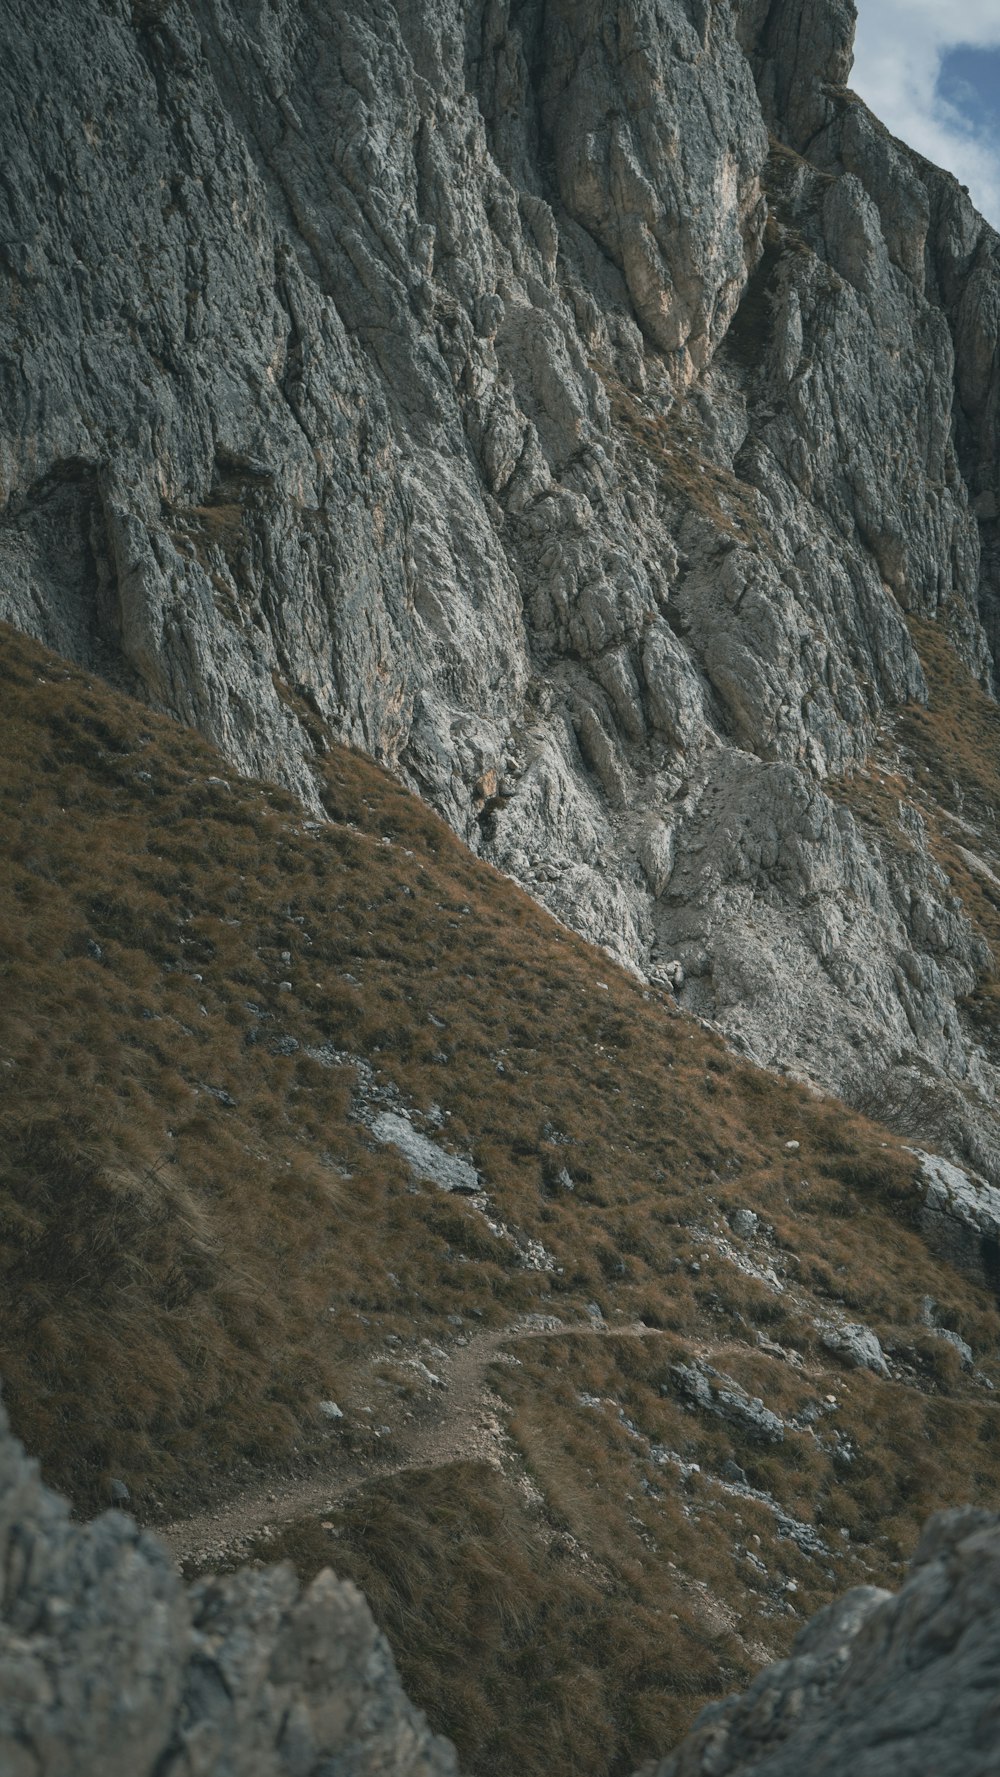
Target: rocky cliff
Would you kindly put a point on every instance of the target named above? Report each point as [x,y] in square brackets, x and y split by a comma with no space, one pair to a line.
[876,1682]
[576,406]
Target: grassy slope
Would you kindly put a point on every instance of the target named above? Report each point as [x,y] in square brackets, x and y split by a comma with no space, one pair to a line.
[198,1242]
[952,748]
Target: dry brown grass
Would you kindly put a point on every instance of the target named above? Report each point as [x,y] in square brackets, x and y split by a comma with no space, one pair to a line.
[524,1653]
[686,470]
[198,1240]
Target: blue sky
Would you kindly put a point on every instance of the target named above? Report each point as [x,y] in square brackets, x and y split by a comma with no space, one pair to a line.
[931,72]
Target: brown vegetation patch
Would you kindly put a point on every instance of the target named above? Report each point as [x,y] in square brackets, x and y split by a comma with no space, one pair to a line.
[522,1650]
[672,442]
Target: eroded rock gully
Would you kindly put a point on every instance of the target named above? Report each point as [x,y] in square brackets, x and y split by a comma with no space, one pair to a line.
[567,404]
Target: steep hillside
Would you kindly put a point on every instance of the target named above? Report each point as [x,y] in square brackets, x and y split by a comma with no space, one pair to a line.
[474,481]
[112,1666]
[876,1683]
[640,1353]
[575,405]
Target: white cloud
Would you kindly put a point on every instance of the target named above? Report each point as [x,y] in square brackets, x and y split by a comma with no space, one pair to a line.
[898,54]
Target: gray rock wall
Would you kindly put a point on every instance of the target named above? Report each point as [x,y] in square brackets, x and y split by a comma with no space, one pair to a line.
[876,1683]
[477,380]
[111,1667]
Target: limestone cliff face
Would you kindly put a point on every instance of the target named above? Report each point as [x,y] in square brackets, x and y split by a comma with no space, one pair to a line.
[566,402]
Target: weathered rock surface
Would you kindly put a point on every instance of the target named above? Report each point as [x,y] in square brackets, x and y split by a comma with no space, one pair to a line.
[858,1344]
[480,383]
[876,1683]
[961,1217]
[110,1665]
[427,1160]
[711,1391]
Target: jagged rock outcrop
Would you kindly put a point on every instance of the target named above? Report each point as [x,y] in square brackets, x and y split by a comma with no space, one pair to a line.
[110,1665]
[876,1682]
[961,1218]
[481,382]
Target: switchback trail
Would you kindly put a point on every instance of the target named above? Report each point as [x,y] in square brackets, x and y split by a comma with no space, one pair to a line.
[458,1422]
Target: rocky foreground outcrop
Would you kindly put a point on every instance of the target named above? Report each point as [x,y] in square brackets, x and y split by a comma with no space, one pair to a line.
[111,1667]
[569,404]
[877,1684]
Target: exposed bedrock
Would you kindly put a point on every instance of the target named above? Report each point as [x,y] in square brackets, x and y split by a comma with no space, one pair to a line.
[482,382]
[876,1682]
[110,1665]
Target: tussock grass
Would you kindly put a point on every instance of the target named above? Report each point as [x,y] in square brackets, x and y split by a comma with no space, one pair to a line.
[200,1240]
[532,1659]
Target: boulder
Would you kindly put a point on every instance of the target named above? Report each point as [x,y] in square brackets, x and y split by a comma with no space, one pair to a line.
[111,1667]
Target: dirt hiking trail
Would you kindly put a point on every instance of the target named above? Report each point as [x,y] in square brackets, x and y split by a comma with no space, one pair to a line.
[458,1420]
